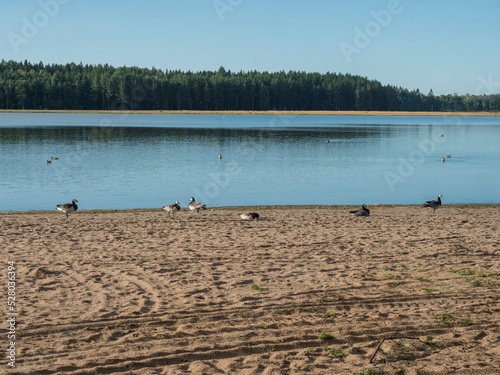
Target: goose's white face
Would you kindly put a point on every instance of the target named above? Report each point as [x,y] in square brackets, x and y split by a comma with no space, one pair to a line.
[440,196]
[176,202]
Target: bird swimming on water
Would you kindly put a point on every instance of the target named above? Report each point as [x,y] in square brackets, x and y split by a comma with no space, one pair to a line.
[443,160]
[447,156]
[434,204]
[172,208]
[68,207]
[196,206]
[249,216]
[363,211]
[220,157]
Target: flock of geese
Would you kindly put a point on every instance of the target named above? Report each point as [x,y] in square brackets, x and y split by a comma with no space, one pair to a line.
[195,206]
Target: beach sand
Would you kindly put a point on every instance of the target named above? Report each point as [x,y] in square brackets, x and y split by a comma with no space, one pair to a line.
[144,293]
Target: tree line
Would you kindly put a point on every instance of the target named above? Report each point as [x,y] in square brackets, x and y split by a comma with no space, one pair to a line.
[24,85]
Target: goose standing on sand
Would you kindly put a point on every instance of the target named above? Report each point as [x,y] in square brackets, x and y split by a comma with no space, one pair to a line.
[363,211]
[68,207]
[249,216]
[196,206]
[172,208]
[434,204]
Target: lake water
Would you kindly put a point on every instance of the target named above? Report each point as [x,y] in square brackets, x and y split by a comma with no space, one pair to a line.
[118,161]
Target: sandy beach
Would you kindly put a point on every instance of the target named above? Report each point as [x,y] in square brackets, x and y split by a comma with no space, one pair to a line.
[316,291]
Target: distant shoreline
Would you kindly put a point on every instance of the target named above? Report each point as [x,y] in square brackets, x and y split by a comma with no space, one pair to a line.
[287,113]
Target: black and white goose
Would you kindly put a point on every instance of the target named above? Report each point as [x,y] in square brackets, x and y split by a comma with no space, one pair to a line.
[196,206]
[68,207]
[249,216]
[434,204]
[172,208]
[363,211]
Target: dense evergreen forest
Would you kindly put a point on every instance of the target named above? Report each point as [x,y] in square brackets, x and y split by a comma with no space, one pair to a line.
[24,85]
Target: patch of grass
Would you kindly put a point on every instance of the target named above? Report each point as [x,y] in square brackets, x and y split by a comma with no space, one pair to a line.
[391,277]
[126,332]
[390,269]
[208,326]
[369,371]
[160,337]
[421,270]
[466,272]
[325,336]
[423,279]
[259,289]
[265,326]
[244,338]
[467,322]
[475,283]
[428,291]
[334,352]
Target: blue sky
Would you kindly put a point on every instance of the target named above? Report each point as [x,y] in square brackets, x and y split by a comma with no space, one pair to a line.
[451,46]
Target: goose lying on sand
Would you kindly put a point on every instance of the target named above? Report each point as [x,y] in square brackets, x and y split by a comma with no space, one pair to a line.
[68,207]
[249,216]
[363,211]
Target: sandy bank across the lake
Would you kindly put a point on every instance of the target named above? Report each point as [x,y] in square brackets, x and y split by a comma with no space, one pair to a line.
[317,291]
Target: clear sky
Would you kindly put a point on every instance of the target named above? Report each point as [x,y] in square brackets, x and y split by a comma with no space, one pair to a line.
[450,46]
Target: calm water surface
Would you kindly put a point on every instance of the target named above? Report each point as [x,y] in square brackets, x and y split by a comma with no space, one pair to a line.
[115,161]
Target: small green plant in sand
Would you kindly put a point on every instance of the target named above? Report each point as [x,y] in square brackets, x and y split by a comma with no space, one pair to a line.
[475,283]
[423,279]
[390,269]
[421,270]
[334,352]
[244,338]
[369,371]
[160,337]
[445,318]
[428,291]
[326,336]
[296,306]
[265,326]
[126,332]
[259,289]
[391,277]
[466,272]
[208,326]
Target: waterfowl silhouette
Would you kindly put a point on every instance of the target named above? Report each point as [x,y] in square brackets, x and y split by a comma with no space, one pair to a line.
[363,211]
[68,207]
[220,157]
[172,208]
[443,160]
[196,206]
[434,204]
[249,216]
[447,156]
